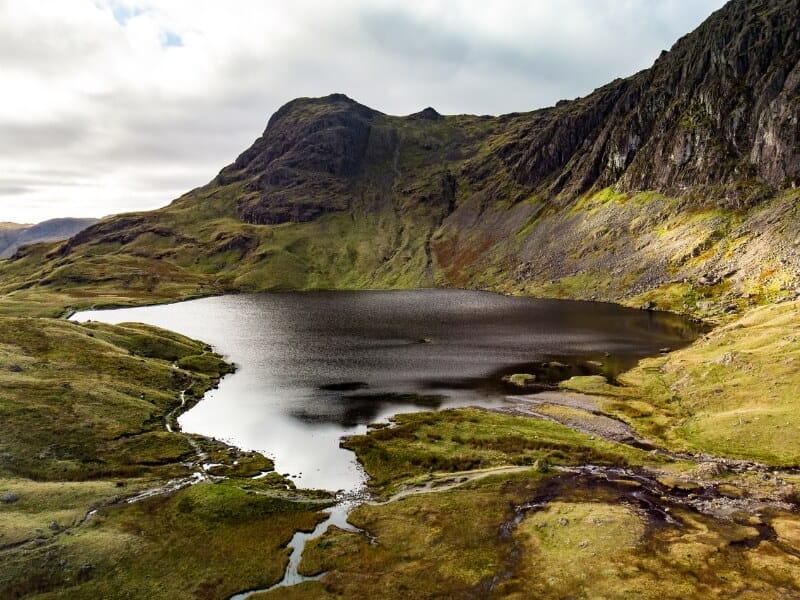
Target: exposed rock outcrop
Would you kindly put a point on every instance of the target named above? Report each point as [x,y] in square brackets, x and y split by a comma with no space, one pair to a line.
[672,188]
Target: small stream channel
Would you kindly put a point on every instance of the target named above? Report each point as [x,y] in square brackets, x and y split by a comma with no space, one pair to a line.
[315,367]
[337,517]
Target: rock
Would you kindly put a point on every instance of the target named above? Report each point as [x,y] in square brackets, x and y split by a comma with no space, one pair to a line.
[540,465]
[649,305]
[709,470]
[53,526]
[15,369]
[563,521]
[706,280]
[705,305]
[9,497]
[85,571]
[726,359]
[427,114]
[584,544]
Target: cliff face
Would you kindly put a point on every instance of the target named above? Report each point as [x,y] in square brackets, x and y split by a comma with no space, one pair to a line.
[675,185]
[716,115]
[304,163]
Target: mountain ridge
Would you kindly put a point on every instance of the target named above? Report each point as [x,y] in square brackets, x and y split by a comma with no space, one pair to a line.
[675,187]
[15,235]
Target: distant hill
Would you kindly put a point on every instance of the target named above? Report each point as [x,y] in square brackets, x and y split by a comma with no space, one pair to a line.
[15,235]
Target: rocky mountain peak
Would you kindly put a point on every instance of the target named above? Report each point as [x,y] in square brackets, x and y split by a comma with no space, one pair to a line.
[426,114]
[715,116]
[305,156]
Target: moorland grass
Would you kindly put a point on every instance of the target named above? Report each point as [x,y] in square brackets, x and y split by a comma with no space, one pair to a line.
[732,393]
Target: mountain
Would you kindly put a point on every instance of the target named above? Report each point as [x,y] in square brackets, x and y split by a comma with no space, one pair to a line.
[675,187]
[15,235]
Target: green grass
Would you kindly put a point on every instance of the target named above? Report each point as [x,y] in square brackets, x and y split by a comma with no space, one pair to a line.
[434,545]
[588,542]
[206,541]
[82,424]
[420,444]
[732,393]
[89,401]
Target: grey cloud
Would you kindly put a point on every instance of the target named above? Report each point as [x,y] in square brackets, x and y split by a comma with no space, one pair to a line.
[22,138]
[10,189]
[406,35]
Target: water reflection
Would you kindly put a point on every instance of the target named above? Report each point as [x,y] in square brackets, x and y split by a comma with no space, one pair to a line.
[316,366]
[351,410]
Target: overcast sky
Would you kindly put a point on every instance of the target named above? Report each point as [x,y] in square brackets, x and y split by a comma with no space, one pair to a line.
[113,106]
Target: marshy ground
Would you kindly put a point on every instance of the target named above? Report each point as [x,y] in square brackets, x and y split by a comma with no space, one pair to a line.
[680,482]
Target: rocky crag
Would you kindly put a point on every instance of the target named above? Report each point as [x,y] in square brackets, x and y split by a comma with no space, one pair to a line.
[675,187]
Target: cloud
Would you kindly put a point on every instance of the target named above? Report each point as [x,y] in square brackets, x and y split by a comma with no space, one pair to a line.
[137,101]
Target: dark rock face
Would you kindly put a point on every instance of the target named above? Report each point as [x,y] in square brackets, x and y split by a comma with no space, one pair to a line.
[303,164]
[716,118]
[720,109]
[427,114]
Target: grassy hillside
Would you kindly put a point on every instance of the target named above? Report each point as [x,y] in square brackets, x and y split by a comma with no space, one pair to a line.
[84,410]
[732,393]
[675,188]
[636,249]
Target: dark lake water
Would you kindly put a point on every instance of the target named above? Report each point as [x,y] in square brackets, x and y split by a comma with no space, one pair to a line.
[313,367]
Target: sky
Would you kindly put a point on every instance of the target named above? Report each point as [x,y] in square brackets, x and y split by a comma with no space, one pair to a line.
[121,105]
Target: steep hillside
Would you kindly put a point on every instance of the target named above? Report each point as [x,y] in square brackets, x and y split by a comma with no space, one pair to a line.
[13,235]
[676,186]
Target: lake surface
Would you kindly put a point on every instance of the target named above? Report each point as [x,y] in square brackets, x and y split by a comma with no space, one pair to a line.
[315,366]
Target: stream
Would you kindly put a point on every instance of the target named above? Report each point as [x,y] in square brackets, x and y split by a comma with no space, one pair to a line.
[318,366]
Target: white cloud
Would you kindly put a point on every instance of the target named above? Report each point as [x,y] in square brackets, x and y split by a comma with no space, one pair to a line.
[121,105]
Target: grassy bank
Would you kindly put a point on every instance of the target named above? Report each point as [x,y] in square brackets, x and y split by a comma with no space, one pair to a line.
[534,535]
[731,393]
[83,414]
[420,445]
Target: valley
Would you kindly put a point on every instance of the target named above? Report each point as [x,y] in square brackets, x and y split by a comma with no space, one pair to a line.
[668,472]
